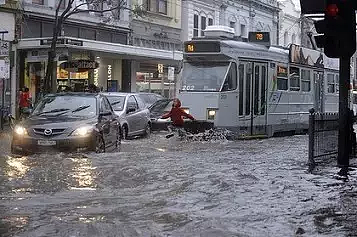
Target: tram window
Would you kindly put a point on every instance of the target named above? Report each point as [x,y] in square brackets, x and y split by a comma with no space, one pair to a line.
[262,99]
[294,79]
[241,84]
[231,80]
[305,80]
[337,82]
[330,83]
[282,78]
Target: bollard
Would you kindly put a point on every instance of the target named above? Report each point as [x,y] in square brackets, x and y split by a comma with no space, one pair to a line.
[311,161]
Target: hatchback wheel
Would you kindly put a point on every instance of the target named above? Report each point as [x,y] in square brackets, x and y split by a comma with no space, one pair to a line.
[125,132]
[99,144]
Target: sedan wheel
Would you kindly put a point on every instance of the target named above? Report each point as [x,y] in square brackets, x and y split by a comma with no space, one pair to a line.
[99,144]
[147,130]
[118,140]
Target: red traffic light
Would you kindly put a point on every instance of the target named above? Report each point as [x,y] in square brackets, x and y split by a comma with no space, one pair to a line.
[331,10]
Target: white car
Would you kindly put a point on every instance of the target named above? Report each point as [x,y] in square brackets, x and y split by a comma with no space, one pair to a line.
[134,117]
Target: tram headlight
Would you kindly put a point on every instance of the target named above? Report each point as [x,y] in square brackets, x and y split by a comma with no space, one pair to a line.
[187,111]
[211,114]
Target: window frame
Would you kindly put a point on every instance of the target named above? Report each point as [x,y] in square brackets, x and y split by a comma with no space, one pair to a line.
[330,83]
[304,80]
[195,26]
[232,65]
[294,88]
[282,76]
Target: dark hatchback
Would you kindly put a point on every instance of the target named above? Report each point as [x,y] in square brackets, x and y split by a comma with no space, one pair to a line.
[68,122]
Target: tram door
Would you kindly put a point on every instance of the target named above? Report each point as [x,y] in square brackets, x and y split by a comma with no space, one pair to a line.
[253,96]
[319,91]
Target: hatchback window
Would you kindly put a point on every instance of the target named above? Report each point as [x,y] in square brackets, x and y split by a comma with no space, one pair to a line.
[84,106]
[117,102]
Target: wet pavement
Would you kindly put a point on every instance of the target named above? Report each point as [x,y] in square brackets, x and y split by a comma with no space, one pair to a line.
[167,187]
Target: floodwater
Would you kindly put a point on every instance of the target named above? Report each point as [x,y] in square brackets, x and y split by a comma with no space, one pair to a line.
[168,187]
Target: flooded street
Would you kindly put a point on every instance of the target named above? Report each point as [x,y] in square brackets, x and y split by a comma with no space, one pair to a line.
[167,187]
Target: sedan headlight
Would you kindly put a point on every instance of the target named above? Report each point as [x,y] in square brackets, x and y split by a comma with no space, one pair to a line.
[19,130]
[83,131]
[211,114]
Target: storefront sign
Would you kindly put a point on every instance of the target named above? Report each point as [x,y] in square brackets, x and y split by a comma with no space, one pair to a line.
[160,68]
[171,74]
[109,72]
[62,41]
[96,77]
[79,65]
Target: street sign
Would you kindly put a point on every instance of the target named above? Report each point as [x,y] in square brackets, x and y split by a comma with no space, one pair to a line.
[4,48]
[171,74]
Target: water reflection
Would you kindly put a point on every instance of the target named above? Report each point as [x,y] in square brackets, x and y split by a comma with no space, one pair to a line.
[83,173]
[16,167]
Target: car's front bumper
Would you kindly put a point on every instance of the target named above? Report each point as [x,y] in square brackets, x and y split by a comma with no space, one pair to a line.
[27,144]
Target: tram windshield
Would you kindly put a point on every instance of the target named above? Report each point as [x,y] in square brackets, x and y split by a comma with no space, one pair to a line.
[203,76]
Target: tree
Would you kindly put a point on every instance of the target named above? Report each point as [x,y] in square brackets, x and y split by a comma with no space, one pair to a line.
[64,11]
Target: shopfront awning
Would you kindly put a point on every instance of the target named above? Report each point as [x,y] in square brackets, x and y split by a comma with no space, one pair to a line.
[124,51]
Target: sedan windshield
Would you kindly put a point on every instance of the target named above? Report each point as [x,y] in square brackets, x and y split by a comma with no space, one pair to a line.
[203,76]
[117,102]
[82,106]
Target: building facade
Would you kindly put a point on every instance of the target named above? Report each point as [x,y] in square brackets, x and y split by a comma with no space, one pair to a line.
[158,28]
[244,16]
[289,24]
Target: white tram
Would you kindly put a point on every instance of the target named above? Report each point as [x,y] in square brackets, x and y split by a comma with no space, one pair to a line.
[254,88]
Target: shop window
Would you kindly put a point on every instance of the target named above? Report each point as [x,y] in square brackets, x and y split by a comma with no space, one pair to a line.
[305,80]
[294,79]
[282,78]
[195,25]
[231,80]
[203,25]
[330,83]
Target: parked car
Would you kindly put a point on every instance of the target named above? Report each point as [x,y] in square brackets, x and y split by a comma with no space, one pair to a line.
[149,98]
[163,106]
[68,122]
[133,115]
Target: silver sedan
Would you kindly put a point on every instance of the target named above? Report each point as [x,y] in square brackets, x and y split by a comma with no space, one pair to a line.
[133,115]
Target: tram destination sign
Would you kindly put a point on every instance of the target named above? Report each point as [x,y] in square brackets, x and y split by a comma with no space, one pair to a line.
[259,37]
[79,65]
[202,47]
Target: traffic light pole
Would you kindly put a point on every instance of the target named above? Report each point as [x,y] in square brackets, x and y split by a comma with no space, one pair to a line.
[343,135]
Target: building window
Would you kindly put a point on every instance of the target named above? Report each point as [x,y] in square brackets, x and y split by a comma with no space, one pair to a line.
[63,4]
[162,6]
[195,25]
[293,39]
[232,24]
[210,21]
[242,31]
[285,38]
[38,2]
[203,25]
[159,6]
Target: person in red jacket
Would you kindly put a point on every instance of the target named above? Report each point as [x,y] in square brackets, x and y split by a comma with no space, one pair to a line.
[176,114]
